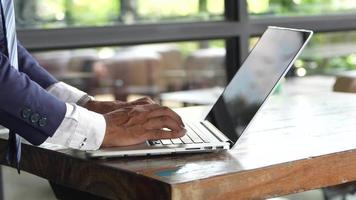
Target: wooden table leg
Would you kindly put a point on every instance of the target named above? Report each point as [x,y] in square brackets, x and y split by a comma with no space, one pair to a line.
[66,193]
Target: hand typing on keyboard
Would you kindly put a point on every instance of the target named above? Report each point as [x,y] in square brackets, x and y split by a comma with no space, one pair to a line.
[139,123]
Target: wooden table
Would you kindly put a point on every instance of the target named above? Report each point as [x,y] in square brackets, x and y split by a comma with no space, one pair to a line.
[296,143]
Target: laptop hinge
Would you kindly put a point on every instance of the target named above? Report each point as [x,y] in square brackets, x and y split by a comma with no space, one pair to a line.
[218,134]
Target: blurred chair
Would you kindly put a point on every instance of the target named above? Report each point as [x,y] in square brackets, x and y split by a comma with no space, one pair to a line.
[172,72]
[134,71]
[345,82]
[55,62]
[82,60]
[81,70]
[206,68]
[71,66]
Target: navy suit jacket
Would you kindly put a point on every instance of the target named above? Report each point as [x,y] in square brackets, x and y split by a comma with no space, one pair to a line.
[25,106]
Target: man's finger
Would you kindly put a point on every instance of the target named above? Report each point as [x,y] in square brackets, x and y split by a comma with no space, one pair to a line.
[161,134]
[146,100]
[141,108]
[165,111]
[142,101]
[162,122]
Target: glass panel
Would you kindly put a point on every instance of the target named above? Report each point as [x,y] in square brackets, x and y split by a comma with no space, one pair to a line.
[330,53]
[64,13]
[119,72]
[326,54]
[300,7]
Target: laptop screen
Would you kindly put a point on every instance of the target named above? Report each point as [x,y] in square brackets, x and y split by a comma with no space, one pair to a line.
[263,68]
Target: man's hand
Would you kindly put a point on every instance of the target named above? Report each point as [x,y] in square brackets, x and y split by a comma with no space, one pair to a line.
[103,107]
[137,124]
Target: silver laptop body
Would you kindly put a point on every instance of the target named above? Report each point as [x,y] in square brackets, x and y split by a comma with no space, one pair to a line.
[234,110]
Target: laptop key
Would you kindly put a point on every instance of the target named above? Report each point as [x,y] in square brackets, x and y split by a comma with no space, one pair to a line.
[154,142]
[200,134]
[176,141]
[166,141]
[194,137]
[186,140]
[205,133]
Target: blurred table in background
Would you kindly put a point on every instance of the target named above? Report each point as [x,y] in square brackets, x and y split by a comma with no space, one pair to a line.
[204,96]
[290,86]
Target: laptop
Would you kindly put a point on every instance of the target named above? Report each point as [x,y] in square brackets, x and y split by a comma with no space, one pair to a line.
[235,109]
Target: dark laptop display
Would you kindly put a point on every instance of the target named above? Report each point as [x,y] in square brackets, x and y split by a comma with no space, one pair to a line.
[242,98]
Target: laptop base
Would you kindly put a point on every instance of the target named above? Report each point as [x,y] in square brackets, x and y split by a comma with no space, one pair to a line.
[146,150]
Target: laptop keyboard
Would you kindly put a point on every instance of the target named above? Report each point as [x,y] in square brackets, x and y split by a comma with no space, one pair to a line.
[193,136]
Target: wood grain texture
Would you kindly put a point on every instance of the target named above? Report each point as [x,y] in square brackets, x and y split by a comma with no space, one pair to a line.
[275,180]
[296,143]
[71,170]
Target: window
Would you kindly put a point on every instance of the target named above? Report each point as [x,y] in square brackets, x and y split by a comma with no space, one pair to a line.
[330,53]
[326,54]
[69,13]
[259,8]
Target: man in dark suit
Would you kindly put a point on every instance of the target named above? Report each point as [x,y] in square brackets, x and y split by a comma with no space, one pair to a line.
[34,105]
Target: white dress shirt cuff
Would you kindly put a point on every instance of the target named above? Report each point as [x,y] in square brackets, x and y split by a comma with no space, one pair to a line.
[80,129]
[66,92]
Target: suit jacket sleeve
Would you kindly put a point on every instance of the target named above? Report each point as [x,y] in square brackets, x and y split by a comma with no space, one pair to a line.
[25,107]
[29,66]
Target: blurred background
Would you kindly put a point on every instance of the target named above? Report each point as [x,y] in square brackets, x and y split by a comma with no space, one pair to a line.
[147,47]
[175,51]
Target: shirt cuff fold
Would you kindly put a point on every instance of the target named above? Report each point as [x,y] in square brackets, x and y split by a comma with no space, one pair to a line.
[91,131]
[80,129]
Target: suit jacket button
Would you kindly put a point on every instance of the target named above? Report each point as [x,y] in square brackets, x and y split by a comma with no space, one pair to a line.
[42,122]
[26,113]
[34,118]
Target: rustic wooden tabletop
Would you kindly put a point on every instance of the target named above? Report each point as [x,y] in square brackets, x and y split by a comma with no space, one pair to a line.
[296,143]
